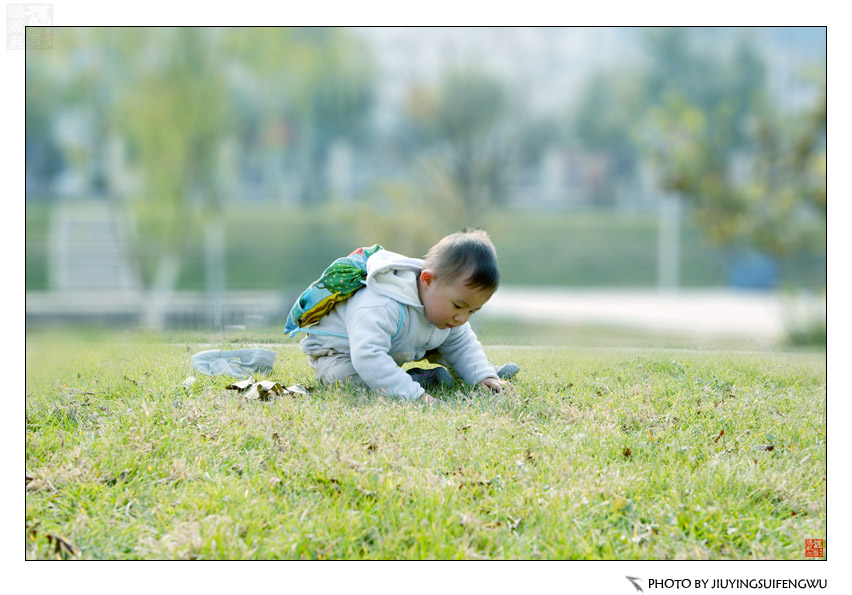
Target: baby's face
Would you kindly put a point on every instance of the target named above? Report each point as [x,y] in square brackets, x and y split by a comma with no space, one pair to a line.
[448,305]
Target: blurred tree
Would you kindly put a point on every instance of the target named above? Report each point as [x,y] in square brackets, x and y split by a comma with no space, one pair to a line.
[785,190]
[332,102]
[77,80]
[465,126]
[178,97]
[44,157]
[174,115]
[752,174]
[319,80]
[602,120]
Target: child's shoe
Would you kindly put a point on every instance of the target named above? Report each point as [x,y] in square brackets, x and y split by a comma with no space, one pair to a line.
[507,371]
[432,377]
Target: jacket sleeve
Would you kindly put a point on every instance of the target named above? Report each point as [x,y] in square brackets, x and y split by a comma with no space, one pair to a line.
[464,353]
[370,329]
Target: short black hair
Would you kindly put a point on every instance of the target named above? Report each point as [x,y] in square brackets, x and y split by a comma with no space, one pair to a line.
[468,252]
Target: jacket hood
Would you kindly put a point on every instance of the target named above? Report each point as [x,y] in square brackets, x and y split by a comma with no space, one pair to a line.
[395,276]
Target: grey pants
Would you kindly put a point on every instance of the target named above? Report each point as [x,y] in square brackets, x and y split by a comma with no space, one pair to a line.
[333,367]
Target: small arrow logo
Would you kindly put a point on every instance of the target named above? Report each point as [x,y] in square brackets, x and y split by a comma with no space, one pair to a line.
[633,580]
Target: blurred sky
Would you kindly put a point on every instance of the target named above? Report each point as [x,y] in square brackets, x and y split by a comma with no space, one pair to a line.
[553,62]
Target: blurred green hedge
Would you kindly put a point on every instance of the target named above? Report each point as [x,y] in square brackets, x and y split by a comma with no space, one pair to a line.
[273,248]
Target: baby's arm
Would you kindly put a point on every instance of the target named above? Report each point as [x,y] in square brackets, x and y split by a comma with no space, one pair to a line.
[370,330]
[464,353]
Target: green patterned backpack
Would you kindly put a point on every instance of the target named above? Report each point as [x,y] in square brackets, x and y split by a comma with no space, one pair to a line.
[339,282]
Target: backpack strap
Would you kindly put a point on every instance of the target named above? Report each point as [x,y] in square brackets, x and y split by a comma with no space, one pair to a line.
[311,331]
[401,320]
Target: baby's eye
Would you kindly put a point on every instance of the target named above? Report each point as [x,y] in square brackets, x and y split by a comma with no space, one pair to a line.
[456,306]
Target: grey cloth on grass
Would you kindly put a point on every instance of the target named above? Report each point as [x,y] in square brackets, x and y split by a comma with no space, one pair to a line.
[238,362]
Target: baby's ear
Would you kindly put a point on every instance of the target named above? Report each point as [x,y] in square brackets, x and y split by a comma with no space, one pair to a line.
[427,277]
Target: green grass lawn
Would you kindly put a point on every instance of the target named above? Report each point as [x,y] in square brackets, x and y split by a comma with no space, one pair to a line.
[597,453]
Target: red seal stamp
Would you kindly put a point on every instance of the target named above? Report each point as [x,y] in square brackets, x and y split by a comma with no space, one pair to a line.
[813,548]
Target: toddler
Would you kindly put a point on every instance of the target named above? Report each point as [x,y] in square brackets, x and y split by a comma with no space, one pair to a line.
[412,309]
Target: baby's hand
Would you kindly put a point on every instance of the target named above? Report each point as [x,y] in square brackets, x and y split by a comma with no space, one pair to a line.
[429,399]
[493,383]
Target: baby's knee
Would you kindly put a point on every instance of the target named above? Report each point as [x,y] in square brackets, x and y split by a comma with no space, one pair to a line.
[335,369]
[337,378]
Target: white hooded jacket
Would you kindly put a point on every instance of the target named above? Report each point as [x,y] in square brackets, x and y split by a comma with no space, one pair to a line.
[367,327]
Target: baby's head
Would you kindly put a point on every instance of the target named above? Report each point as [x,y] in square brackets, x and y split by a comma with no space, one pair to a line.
[466,257]
[459,275]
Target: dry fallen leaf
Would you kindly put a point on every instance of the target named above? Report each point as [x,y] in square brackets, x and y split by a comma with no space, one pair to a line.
[61,547]
[482,483]
[252,393]
[241,385]
[301,390]
[265,390]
